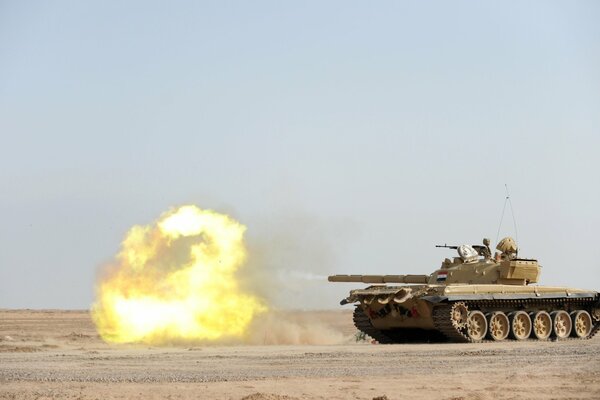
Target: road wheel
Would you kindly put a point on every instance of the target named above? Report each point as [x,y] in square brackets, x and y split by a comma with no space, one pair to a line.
[499,326]
[561,324]
[541,324]
[476,326]
[582,324]
[520,325]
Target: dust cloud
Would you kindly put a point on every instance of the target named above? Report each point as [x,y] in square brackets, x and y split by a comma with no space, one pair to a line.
[289,261]
[290,257]
[284,327]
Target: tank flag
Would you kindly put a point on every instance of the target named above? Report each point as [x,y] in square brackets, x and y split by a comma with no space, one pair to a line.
[442,275]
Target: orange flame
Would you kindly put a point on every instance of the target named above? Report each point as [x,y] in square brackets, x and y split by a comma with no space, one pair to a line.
[176,280]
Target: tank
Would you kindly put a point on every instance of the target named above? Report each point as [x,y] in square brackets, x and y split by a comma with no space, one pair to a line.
[473,297]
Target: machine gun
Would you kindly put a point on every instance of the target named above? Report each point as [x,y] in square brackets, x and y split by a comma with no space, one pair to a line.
[482,250]
[446,246]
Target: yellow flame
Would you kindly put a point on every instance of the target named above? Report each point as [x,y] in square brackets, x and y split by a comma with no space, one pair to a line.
[176,281]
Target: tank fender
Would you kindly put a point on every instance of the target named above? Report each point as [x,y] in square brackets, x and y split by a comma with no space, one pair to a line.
[518,296]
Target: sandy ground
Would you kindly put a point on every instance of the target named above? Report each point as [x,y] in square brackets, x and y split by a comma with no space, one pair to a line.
[58,355]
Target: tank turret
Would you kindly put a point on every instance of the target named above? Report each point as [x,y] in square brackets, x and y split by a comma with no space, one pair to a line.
[473,265]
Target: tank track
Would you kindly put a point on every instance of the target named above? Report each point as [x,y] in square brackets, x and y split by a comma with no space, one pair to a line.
[391,336]
[363,324]
[443,322]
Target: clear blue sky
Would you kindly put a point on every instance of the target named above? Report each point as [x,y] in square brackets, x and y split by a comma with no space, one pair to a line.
[348,136]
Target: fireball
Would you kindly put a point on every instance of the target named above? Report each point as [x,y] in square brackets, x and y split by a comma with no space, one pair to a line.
[176,280]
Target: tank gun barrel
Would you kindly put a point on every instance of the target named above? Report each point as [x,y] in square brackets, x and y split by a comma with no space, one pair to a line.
[418,279]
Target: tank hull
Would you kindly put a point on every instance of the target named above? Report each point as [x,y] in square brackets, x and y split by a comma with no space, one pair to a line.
[428,313]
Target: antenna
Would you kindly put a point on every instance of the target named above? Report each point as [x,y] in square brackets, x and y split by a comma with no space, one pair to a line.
[512,213]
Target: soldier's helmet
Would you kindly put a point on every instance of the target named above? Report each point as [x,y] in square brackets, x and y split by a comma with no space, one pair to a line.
[507,246]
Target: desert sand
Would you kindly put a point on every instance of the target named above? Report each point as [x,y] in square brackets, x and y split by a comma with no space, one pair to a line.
[56,354]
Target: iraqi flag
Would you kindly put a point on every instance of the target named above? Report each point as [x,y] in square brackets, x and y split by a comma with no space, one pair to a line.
[441,276]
